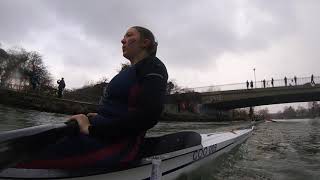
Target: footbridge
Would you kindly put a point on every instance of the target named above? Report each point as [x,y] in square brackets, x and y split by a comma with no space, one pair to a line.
[226,100]
[264,93]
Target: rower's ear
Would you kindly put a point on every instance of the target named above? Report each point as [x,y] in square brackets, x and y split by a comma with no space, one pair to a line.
[146,43]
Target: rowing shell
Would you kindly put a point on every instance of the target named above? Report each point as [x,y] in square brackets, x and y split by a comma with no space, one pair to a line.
[168,155]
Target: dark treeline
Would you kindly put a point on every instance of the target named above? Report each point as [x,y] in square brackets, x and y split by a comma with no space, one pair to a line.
[289,112]
[249,114]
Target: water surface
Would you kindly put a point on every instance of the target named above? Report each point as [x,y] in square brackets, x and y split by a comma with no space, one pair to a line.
[286,149]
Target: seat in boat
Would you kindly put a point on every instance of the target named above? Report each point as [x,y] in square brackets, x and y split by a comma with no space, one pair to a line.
[153,146]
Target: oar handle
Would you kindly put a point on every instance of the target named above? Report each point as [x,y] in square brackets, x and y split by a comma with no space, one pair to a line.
[22,144]
[72,127]
[67,128]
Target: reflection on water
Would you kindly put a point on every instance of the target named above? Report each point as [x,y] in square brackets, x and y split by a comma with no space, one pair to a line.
[287,149]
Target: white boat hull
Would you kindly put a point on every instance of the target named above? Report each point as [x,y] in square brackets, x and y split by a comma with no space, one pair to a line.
[172,165]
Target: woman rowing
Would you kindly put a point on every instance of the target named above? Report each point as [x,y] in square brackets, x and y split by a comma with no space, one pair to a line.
[132,104]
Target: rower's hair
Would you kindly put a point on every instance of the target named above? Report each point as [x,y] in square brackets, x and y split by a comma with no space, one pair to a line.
[147,34]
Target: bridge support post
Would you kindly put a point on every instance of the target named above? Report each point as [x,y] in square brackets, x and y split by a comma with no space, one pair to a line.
[251,113]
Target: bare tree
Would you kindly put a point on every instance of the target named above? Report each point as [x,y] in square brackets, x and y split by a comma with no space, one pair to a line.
[172,87]
[264,113]
[22,67]
[10,66]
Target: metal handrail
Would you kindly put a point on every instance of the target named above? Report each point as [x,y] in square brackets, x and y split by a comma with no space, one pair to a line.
[259,84]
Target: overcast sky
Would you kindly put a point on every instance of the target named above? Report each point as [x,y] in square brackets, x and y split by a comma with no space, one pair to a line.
[202,42]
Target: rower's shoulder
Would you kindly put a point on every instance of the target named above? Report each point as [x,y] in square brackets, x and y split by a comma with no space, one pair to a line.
[152,66]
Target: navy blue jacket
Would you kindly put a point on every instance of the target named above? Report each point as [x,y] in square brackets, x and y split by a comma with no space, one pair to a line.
[133,101]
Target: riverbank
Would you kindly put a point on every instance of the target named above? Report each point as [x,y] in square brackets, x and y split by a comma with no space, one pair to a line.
[44,103]
[34,101]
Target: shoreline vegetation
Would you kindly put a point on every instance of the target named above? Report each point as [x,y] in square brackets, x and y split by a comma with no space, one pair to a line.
[289,112]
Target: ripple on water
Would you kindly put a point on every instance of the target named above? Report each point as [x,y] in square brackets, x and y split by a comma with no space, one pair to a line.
[15,118]
[275,151]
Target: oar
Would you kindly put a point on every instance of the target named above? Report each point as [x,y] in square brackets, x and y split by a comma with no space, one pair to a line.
[23,144]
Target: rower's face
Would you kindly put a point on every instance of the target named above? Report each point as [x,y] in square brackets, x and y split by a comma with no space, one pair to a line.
[131,44]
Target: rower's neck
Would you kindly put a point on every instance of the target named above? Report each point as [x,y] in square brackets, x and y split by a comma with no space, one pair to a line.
[139,57]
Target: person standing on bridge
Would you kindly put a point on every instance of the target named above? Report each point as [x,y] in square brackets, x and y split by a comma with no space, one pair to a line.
[285,81]
[312,80]
[251,84]
[247,84]
[295,80]
[272,82]
[132,104]
[264,83]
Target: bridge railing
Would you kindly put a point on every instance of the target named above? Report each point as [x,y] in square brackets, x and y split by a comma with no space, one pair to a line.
[224,87]
[257,84]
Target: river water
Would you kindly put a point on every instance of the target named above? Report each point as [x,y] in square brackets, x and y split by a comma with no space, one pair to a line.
[288,149]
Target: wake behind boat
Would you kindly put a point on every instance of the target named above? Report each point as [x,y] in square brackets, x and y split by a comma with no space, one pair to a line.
[168,156]
[290,120]
[270,120]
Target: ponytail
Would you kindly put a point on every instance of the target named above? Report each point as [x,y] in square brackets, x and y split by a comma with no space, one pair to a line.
[147,34]
[153,51]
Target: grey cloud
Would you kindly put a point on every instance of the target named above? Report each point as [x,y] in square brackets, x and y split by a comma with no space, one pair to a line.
[192,37]
[190,33]
[191,30]
[78,53]
[18,18]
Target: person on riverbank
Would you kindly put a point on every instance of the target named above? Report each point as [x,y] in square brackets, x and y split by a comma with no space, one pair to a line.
[61,87]
[132,104]
[285,81]
[34,79]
